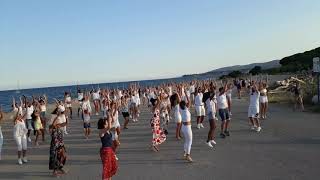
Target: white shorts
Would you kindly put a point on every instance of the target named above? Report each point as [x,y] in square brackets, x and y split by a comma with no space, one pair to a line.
[177,117]
[263,99]
[229,97]
[253,112]
[200,111]
[21,142]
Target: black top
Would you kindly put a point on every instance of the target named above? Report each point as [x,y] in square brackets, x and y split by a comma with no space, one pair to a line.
[106,140]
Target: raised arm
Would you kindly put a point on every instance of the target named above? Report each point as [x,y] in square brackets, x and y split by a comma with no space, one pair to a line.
[14,103]
[1,113]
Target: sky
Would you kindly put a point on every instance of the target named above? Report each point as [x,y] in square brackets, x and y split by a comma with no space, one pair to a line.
[50,43]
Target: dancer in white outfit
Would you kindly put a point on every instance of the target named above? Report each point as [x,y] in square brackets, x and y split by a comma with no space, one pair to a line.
[200,109]
[263,100]
[20,135]
[186,129]
[175,101]
[253,111]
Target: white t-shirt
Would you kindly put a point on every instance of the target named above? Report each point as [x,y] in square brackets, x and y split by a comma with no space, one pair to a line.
[68,100]
[222,101]
[211,106]
[135,100]
[192,89]
[19,129]
[254,100]
[185,115]
[30,112]
[198,100]
[80,96]
[86,106]
[86,118]
[96,96]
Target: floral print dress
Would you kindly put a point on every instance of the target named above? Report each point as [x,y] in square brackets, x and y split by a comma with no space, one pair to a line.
[158,134]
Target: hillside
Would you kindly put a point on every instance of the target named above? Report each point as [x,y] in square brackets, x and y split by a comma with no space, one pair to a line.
[243,68]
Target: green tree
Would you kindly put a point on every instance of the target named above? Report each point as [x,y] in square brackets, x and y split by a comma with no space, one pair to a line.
[256,70]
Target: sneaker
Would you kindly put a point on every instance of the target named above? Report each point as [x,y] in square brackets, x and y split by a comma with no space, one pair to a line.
[258,129]
[201,125]
[222,135]
[227,133]
[19,161]
[253,128]
[216,118]
[25,160]
[189,159]
[29,139]
[230,113]
[66,133]
[185,156]
[97,114]
[209,144]
[213,142]
[198,126]
[116,157]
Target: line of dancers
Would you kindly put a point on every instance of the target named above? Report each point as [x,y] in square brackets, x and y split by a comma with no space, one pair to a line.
[166,103]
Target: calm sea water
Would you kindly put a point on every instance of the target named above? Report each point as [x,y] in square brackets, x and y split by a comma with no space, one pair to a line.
[58,92]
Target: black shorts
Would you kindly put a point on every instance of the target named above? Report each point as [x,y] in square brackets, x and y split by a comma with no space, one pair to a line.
[125,114]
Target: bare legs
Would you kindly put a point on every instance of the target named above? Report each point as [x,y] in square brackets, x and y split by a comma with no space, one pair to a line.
[263,110]
[211,131]
[178,131]
[126,122]
[299,101]
[87,132]
[38,132]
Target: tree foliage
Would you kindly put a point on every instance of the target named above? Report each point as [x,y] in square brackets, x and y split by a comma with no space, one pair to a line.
[256,70]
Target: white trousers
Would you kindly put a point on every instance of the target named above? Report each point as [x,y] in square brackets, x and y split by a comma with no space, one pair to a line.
[21,142]
[187,134]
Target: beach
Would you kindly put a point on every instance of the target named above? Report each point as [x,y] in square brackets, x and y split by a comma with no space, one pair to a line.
[286,149]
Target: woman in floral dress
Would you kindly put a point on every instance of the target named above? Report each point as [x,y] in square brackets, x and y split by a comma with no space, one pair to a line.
[158,134]
[58,155]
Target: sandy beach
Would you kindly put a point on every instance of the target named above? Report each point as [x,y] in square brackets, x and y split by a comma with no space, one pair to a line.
[286,149]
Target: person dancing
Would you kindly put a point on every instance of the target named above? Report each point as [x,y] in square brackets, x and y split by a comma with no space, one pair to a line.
[186,129]
[58,155]
[107,154]
[158,136]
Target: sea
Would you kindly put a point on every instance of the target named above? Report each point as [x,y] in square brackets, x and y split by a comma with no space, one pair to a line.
[58,92]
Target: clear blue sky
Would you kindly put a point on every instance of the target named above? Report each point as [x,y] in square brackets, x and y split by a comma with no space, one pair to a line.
[45,43]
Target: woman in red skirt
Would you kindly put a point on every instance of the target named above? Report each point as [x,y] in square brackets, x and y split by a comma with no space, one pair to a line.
[107,155]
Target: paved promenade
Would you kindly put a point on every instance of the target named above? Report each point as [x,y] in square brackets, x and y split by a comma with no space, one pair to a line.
[288,148]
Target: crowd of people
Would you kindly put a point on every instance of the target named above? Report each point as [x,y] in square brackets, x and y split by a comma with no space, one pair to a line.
[166,103]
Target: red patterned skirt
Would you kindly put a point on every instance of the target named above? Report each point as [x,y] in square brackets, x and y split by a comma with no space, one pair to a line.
[109,162]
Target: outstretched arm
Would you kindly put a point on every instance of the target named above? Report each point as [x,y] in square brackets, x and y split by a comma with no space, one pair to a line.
[1,113]
[14,103]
